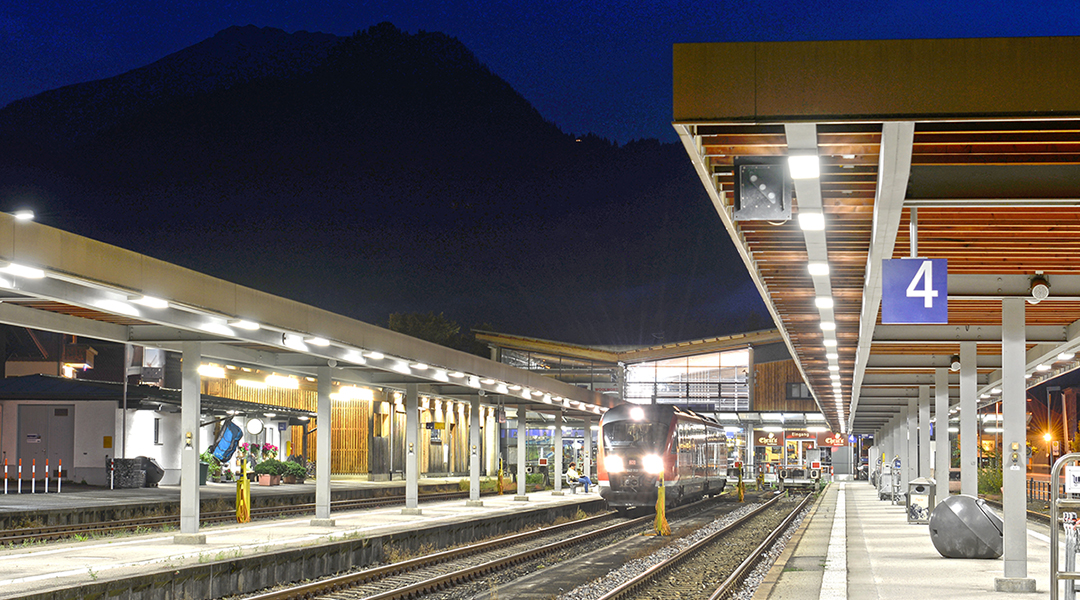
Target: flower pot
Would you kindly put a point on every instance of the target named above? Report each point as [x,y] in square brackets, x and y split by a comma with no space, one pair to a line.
[288,479]
[269,479]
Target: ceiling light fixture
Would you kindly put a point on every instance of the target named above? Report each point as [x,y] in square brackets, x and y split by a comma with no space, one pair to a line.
[823,302]
[811,221]
[829,342]
[804,166]
[23,215]
[818,268]
[244,324]
[828,326]
[317,341]
[150,301]
[281,381]
[211,371]
[1066,356]
[954,363]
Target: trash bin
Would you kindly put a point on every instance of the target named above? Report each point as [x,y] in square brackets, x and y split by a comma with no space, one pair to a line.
[920,499]
[204,470]
[965,527]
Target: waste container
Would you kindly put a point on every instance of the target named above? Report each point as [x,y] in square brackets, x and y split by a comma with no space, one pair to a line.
[965,527]
[920,499]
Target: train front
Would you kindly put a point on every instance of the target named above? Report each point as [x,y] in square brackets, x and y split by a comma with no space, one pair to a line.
[634,451]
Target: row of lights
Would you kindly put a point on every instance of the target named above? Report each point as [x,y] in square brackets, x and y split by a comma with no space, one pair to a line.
[807,166]
[300,342]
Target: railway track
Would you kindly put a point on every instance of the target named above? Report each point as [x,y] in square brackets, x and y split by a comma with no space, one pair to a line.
[58,532]
[443,570]
[708,569]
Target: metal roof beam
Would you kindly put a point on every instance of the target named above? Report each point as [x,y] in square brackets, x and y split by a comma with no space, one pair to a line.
[929,334]
[894,169]
[21,316]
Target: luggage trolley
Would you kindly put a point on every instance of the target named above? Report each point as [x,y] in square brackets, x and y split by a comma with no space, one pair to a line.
[1070,463]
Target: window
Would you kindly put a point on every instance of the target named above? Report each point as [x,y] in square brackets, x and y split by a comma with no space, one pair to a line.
[157,431]
[798,391]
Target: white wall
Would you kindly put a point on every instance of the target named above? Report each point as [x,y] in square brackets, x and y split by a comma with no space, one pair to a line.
[94,421]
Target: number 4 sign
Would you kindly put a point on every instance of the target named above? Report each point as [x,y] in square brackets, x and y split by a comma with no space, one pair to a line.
[914,290]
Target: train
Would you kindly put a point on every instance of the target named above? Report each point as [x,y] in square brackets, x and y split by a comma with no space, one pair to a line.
[638,442]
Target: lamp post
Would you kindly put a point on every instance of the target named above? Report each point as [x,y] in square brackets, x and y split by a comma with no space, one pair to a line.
[1050,455]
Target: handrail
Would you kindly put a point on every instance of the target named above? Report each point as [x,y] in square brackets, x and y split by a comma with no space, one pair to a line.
[1055,518]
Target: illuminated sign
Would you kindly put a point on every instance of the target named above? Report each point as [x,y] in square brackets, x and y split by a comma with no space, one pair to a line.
[766,438]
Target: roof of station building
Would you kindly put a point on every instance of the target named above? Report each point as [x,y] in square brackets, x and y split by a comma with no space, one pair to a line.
[57,281]
[975,141]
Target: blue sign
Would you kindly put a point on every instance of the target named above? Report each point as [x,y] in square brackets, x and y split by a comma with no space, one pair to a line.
[914,290]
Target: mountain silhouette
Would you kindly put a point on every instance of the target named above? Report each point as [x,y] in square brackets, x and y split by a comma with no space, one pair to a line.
[377,173]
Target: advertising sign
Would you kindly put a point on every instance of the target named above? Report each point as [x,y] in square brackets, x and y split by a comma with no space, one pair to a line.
[914,291]
[766,438]
[799,435]
[829,438]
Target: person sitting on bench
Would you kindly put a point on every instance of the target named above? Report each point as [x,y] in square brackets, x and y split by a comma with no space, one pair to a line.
[573,478]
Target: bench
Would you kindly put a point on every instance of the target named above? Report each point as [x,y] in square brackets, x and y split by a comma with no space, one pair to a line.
[573,483]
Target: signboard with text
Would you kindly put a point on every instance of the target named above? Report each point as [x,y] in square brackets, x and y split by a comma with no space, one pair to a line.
[914,291]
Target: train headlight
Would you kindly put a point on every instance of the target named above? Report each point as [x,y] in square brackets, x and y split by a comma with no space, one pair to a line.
[652,464]
[614,464]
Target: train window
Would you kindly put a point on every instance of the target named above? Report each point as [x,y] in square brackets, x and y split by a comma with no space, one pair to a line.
[626,433]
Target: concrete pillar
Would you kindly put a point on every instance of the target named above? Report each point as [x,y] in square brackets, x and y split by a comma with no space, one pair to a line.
[412,449]
[924,431]
[941,433]
[1014,440]
[969,436]
[323,448]
[911,459]
[474,452]
[190,417]
[522,432]
[558,454]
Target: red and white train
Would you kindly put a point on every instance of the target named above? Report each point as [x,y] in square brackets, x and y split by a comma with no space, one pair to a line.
[638,442]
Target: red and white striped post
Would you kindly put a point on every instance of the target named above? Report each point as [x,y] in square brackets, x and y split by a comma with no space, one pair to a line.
[112,473]
[33,475]
[59,473]
[20,475]
[46,475]
[5,476]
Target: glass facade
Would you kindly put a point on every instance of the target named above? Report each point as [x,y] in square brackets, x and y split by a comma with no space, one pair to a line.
[716,381]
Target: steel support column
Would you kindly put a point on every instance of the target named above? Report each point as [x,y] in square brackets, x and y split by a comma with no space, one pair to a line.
[558,477]
[412,449]
[190,417]
[1014,440]
[969,436]
[586,458]
[924,431]
[323,447]
[474,452]
[522,431]
[911,460]
[943,450]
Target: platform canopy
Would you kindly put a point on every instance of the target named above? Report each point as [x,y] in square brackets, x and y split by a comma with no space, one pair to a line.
[969,147]
[57,281]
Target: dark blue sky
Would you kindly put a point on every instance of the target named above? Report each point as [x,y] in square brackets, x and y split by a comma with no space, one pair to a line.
[588,66]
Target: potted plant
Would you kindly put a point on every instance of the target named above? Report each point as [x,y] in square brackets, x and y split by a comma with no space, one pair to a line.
[294,472]
[269,471]
[212,469]
[269,451]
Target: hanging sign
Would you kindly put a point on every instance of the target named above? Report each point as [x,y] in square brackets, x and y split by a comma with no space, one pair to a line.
[1072,479]
[914,291]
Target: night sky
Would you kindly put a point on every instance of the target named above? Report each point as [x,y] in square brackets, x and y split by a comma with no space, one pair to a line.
[599,67]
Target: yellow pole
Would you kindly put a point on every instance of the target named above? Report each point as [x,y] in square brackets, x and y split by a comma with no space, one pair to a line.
[742,489]
[243,495]
[500,477]
[661,524]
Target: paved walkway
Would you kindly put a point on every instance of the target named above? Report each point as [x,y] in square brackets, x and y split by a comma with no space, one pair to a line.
[38,568]
[853,546]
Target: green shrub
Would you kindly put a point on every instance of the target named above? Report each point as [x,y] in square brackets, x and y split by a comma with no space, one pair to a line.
[293,469]
[270,466]
[990,480]
[534,479]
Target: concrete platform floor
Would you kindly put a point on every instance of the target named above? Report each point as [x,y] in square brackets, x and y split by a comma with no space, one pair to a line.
[37,568]
[853,546]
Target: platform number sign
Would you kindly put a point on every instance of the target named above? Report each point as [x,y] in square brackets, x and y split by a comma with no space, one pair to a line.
[915,290]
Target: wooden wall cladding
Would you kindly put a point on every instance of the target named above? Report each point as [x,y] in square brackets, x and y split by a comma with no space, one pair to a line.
[770,388]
